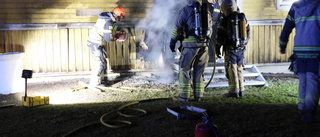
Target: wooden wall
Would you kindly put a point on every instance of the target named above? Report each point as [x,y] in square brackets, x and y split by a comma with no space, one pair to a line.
[53,33]
[53,36]
[65,11]
[64,50]
[262,10]
[263,46]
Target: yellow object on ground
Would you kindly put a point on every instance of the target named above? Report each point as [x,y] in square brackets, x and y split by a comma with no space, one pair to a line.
[32,101]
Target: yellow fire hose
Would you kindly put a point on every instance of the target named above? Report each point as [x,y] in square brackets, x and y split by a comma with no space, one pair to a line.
[124,122]
[214,65]
[118,123]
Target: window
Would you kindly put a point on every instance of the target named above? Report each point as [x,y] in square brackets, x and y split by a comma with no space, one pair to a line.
[284,4]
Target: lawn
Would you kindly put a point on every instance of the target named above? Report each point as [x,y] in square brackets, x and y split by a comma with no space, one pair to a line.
[262,112]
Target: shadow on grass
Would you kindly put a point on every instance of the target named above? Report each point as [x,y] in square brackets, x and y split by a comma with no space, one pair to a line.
[232,119]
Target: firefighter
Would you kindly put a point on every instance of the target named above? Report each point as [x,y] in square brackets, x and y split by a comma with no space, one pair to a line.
[233,35]
[102,31]
[304,17]
[216,18]
[194,53]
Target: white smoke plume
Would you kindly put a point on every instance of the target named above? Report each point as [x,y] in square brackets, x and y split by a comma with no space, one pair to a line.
[158,25]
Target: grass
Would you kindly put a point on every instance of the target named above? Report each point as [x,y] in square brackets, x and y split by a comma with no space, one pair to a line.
[262,112]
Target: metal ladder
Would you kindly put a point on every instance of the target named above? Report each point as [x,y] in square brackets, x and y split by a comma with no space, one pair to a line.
[251,74]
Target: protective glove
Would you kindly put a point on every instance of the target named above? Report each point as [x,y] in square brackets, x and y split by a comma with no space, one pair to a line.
[143,45]
[120,37]
[218,52]
[293,60]
[173,45]
[283,49]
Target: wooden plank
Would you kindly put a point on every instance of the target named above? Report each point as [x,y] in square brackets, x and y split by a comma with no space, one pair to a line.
[61,5]
[273,44]
[261,45]
[78,50]
[41,47]
[8,41]
[16,41]
[266,44]
[71,50]
[34,49]
[27,50]
[113,55]
[126,54]
[132,50]
[119,48]
[80,1]
[56,51]
[247,53]
[278,55]
[85,50]
[64,50]
[2,42]
[255,50]
[283,57]
[49,47]
[291,44]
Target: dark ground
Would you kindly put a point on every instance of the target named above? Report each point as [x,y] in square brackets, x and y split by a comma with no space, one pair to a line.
[233,118]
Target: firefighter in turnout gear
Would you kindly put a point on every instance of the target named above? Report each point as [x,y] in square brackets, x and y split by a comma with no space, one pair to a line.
[304,16]
[233,35]
[216,19]
[194,51]
[103,30]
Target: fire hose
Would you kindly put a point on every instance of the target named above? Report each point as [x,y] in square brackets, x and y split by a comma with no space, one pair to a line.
[120,111]
[214,60]
[214,65]
[124,122]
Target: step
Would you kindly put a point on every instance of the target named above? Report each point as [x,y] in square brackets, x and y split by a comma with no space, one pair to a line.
[222,67]
[246,83]
[251,74]
[222,75]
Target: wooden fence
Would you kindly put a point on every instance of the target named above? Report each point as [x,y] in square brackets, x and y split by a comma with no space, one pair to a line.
[263,46]
[65,49]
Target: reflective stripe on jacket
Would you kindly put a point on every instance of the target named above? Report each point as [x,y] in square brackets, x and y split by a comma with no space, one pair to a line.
[184,26]
[304,15]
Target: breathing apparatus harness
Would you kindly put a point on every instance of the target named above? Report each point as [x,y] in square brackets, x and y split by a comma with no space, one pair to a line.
[238,31]
[203,22]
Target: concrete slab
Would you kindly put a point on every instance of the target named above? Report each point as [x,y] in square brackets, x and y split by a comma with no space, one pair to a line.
[274,68]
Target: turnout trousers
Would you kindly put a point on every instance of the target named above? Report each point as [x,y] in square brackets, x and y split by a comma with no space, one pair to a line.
[195,58]
[308,99]
[234,62]
[99,70]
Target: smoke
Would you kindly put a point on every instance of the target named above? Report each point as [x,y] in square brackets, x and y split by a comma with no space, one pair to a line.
[158,25]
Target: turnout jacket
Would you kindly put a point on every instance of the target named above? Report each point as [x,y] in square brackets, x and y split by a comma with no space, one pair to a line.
[102,29]
[185,27]
[225,35]
[304,15]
